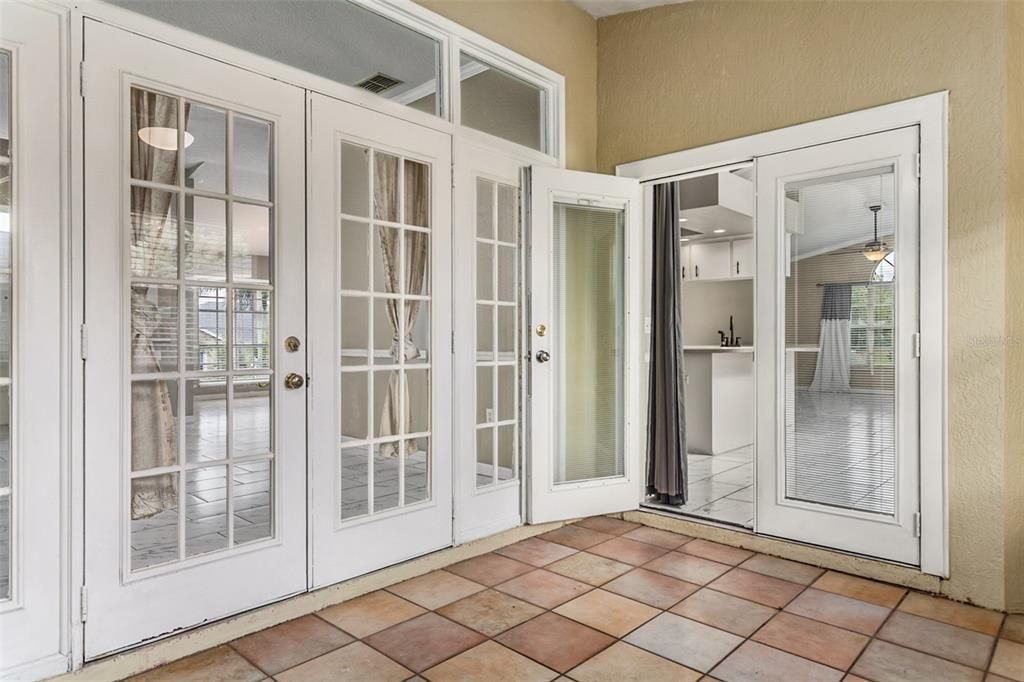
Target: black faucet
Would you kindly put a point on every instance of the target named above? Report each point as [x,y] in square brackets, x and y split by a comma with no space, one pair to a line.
[722,340]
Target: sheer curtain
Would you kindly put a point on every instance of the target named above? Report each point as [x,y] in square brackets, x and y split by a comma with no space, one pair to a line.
[832,371]
[666,418]
[417,207]
[154,437]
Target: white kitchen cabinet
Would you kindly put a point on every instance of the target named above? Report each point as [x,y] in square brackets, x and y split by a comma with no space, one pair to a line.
[719,386]
[743,258]
[711,261]
[684,263]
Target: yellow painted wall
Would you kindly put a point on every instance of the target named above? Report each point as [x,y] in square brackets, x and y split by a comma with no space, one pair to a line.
[554,33]
[685,75]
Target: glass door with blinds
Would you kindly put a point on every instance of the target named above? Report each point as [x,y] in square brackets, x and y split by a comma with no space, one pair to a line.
[195,499]
[379,312]
[837,343]
[584,343]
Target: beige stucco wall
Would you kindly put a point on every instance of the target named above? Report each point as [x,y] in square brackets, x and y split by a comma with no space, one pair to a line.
[554,33]
[685,75]
[1015,312]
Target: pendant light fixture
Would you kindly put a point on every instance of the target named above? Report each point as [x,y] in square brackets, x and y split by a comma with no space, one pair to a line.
[876,250]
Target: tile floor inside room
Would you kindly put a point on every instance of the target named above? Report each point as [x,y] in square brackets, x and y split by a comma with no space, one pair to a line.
[604,599]
[840,450]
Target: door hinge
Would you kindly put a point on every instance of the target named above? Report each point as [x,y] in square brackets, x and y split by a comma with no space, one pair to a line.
[81,78]
[453,342]
[917,344]
[453,175]
[83,603]
[917,524]
[83,337]
[917,168]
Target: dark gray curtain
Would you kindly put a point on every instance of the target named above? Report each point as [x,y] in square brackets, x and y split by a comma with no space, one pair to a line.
[666,412]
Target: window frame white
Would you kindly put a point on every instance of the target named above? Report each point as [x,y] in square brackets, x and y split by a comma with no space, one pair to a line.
[931,113]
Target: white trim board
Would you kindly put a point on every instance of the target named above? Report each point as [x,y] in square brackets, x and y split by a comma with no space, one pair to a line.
[931,113]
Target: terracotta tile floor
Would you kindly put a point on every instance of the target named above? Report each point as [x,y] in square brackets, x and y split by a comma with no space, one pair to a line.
[607,600]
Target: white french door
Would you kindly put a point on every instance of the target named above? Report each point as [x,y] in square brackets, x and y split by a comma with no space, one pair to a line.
[837,345]
[33,414]
[584,343]
[195,414]
[380,326]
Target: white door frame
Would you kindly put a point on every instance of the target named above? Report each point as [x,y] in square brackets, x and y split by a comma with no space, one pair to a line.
[931,113]
[34,627]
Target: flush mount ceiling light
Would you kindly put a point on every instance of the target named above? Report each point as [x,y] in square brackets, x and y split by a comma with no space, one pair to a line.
[719,231]
[164,138]
[875,250]
[683,220]
[685,239]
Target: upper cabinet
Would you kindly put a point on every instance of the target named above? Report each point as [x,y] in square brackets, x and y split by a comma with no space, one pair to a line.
[743,258]
[711,261]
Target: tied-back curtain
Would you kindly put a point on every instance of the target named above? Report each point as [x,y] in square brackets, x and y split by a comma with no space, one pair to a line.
[832,371]
[154,438]
[666,418]
[417,244]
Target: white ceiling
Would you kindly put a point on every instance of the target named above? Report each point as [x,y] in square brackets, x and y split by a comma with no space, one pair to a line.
[606,8]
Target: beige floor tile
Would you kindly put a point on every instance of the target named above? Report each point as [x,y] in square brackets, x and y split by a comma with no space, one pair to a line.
[651,588]
[754,661]
[1008,660]
[607,612]
[954,613]
[882,662]
[724,611]
[589,568]
[576,537]
[684,641]
[939,639]
[370,613]
[1013,628]
[220,663]
[628,551]
[723,554]
[623,662]
[434,590]
[490,612]
[544,588]
[555,641]
[860,588]
[424,641]
[607,524]
[536,552]
[489,661]
[757,587]
[288,644]
[783,569]
[692,569]
[356,661]
[656,536]
[811,639]
[838,610]
[489,569]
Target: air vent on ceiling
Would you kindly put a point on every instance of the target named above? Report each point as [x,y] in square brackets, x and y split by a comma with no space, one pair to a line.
[378,83]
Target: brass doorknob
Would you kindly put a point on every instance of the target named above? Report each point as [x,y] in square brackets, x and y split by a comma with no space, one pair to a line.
[293,381]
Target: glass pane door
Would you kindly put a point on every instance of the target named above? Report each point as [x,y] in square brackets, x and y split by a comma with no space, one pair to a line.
[838,372]
[588,254]
[841,320]
[201,295]
[585,343]
[385,331]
